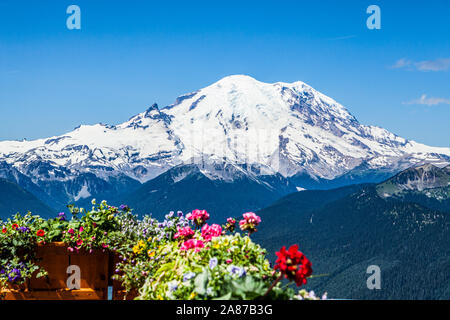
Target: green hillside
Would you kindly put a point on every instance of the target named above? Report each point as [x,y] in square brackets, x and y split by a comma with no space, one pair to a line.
[409,241]
[14,199]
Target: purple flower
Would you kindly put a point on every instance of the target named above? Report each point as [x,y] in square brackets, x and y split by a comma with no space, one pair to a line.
[213,263]
[173,286]
[188,276]
[62,216]
[234,270]
[14,275]
[124,207]
[180,213]
[24,229]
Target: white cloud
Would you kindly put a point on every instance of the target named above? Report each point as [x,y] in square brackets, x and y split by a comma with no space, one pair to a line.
[429,101]
[433,65]
[426,65]
[402,63]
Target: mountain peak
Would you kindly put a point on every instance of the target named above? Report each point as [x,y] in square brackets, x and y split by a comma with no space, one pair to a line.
[237,78]
[243,78]
[152,107]
[152,110]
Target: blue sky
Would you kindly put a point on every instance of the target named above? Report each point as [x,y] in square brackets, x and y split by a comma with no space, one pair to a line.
[129,54]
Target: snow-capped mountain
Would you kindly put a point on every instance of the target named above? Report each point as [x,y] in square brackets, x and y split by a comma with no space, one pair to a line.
[237,125]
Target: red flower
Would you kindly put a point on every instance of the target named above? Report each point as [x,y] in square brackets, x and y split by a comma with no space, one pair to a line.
[293,264]
[4,230]
[15,226]
[40,233]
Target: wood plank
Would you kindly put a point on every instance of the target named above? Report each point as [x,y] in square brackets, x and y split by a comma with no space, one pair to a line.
[94,269]
[82,294]
[54,258]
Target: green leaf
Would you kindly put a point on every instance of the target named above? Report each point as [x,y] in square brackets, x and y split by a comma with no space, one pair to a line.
[200,282]
[224,297]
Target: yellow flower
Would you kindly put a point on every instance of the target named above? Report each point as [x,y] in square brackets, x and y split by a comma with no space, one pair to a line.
[192,296]
[160,298]
[149,239]
[216,246]
[151,253]
[137,249]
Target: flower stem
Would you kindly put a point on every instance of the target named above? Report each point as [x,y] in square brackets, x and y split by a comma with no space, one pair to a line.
[273,285]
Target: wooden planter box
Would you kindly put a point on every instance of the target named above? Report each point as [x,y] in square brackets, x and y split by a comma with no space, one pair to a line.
[95,269]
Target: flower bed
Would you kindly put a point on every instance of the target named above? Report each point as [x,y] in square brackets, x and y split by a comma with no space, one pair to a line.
[186,258]
[182,257]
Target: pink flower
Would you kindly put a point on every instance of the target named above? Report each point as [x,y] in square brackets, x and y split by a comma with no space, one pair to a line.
[208,232]
[228,261]
[231,224]
[192,244]
[70,249]
[184,233]
[251,217]
[71,231]
[79,242]
[81,229]
[105,245]
[198,216]
[249,223]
